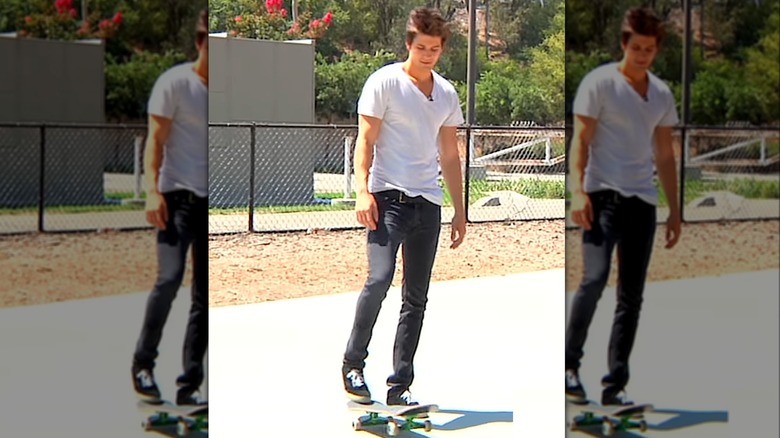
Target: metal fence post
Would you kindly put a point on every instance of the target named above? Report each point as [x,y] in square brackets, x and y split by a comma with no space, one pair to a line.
[347,168]
[467,173]
[683,163]
[42,178]
[252,131]
[137,166]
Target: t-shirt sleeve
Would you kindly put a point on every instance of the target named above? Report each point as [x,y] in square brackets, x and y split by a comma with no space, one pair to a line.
[455,117]
[162,102]
[372,101]
[587,101]
[670,117]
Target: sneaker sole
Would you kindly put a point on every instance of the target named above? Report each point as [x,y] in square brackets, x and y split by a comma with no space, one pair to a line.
[577,400]
[365,400]
[149,399]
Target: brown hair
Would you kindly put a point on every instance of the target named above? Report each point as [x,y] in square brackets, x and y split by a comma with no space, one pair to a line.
[426,21]
[641,21]
[202,26]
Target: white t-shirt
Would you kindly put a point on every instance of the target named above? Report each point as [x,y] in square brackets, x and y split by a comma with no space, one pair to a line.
[179,94]
[406,150]
[622,151]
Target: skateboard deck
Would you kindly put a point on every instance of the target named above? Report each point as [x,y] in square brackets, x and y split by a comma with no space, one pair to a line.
[186,418]
[394,418]
[610,418]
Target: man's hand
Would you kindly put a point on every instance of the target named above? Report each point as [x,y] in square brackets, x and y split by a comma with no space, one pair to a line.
[156,210]
[366,210]
[581,210]
[673,229]
[458,230]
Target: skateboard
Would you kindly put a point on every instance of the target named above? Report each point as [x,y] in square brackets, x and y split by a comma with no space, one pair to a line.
[395,419]
[610,418]
[186,418]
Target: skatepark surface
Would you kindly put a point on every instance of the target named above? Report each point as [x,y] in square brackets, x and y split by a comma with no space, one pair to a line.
[706,357]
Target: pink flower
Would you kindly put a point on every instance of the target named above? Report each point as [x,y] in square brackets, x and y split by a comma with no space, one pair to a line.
[73,13]
[315,24]
[328,18]
[117,18]
[105,24]
[28,19]
[273,6]
[238,19]
[63,6]
[283,11]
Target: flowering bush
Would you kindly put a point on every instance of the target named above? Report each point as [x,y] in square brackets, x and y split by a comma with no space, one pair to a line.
[61,23]
[273,23]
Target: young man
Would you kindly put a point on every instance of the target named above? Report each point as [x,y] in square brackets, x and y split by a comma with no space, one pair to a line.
[623,123]
[176,174]
[408,115]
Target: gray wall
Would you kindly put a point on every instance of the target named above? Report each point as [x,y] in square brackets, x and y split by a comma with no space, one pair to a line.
[261,81]
[51,81]
[54,82]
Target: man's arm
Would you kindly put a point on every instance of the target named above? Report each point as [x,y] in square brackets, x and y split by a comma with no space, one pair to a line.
[449,159]
[157,136]
[667,173]
[584,130]
[365,206]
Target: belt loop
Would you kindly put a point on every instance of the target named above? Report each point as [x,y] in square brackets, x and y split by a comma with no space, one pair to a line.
[401,197]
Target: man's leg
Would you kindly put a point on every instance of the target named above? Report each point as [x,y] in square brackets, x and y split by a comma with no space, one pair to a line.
[597,246]
[382,249]
[634,253]
[172,246]
[419,252]
[197,337]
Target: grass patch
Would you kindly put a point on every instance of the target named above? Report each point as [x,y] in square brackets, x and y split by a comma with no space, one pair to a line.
[747,188]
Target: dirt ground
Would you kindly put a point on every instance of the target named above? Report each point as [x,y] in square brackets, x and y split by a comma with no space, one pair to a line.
[245,268]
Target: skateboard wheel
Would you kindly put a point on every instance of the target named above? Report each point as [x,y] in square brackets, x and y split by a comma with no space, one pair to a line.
[392,428]
[147,425]
[572,425]
[642,426]
[181,428]
[607,428]
[357,425]
[427,426]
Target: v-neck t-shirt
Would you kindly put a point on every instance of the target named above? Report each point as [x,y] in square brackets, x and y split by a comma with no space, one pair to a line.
[621,154]
[406,149]
[179,94]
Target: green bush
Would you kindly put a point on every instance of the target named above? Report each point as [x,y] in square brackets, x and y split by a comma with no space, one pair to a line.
[129,84]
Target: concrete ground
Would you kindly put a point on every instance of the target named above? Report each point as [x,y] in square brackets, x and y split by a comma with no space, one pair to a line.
[491,357]
[489,353]
[706,356]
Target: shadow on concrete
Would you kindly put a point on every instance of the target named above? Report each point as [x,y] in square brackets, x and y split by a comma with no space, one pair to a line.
[465,420]
[680,419]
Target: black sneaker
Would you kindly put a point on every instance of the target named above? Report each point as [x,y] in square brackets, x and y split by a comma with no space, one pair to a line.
[394,398]
[188,397]
[355,385]
[615,397]
[400,399]
[575,393]
[145,387]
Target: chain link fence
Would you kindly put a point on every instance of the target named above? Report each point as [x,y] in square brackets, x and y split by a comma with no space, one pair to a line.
[299,177]
[731,173]
[70,177]
[266,177]
[725,173]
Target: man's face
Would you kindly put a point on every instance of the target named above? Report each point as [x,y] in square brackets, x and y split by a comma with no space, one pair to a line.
[424,51]
[640,51]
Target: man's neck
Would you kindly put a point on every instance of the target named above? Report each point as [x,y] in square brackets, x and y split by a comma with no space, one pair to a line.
[417,75]
[634,75]
[202,70]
